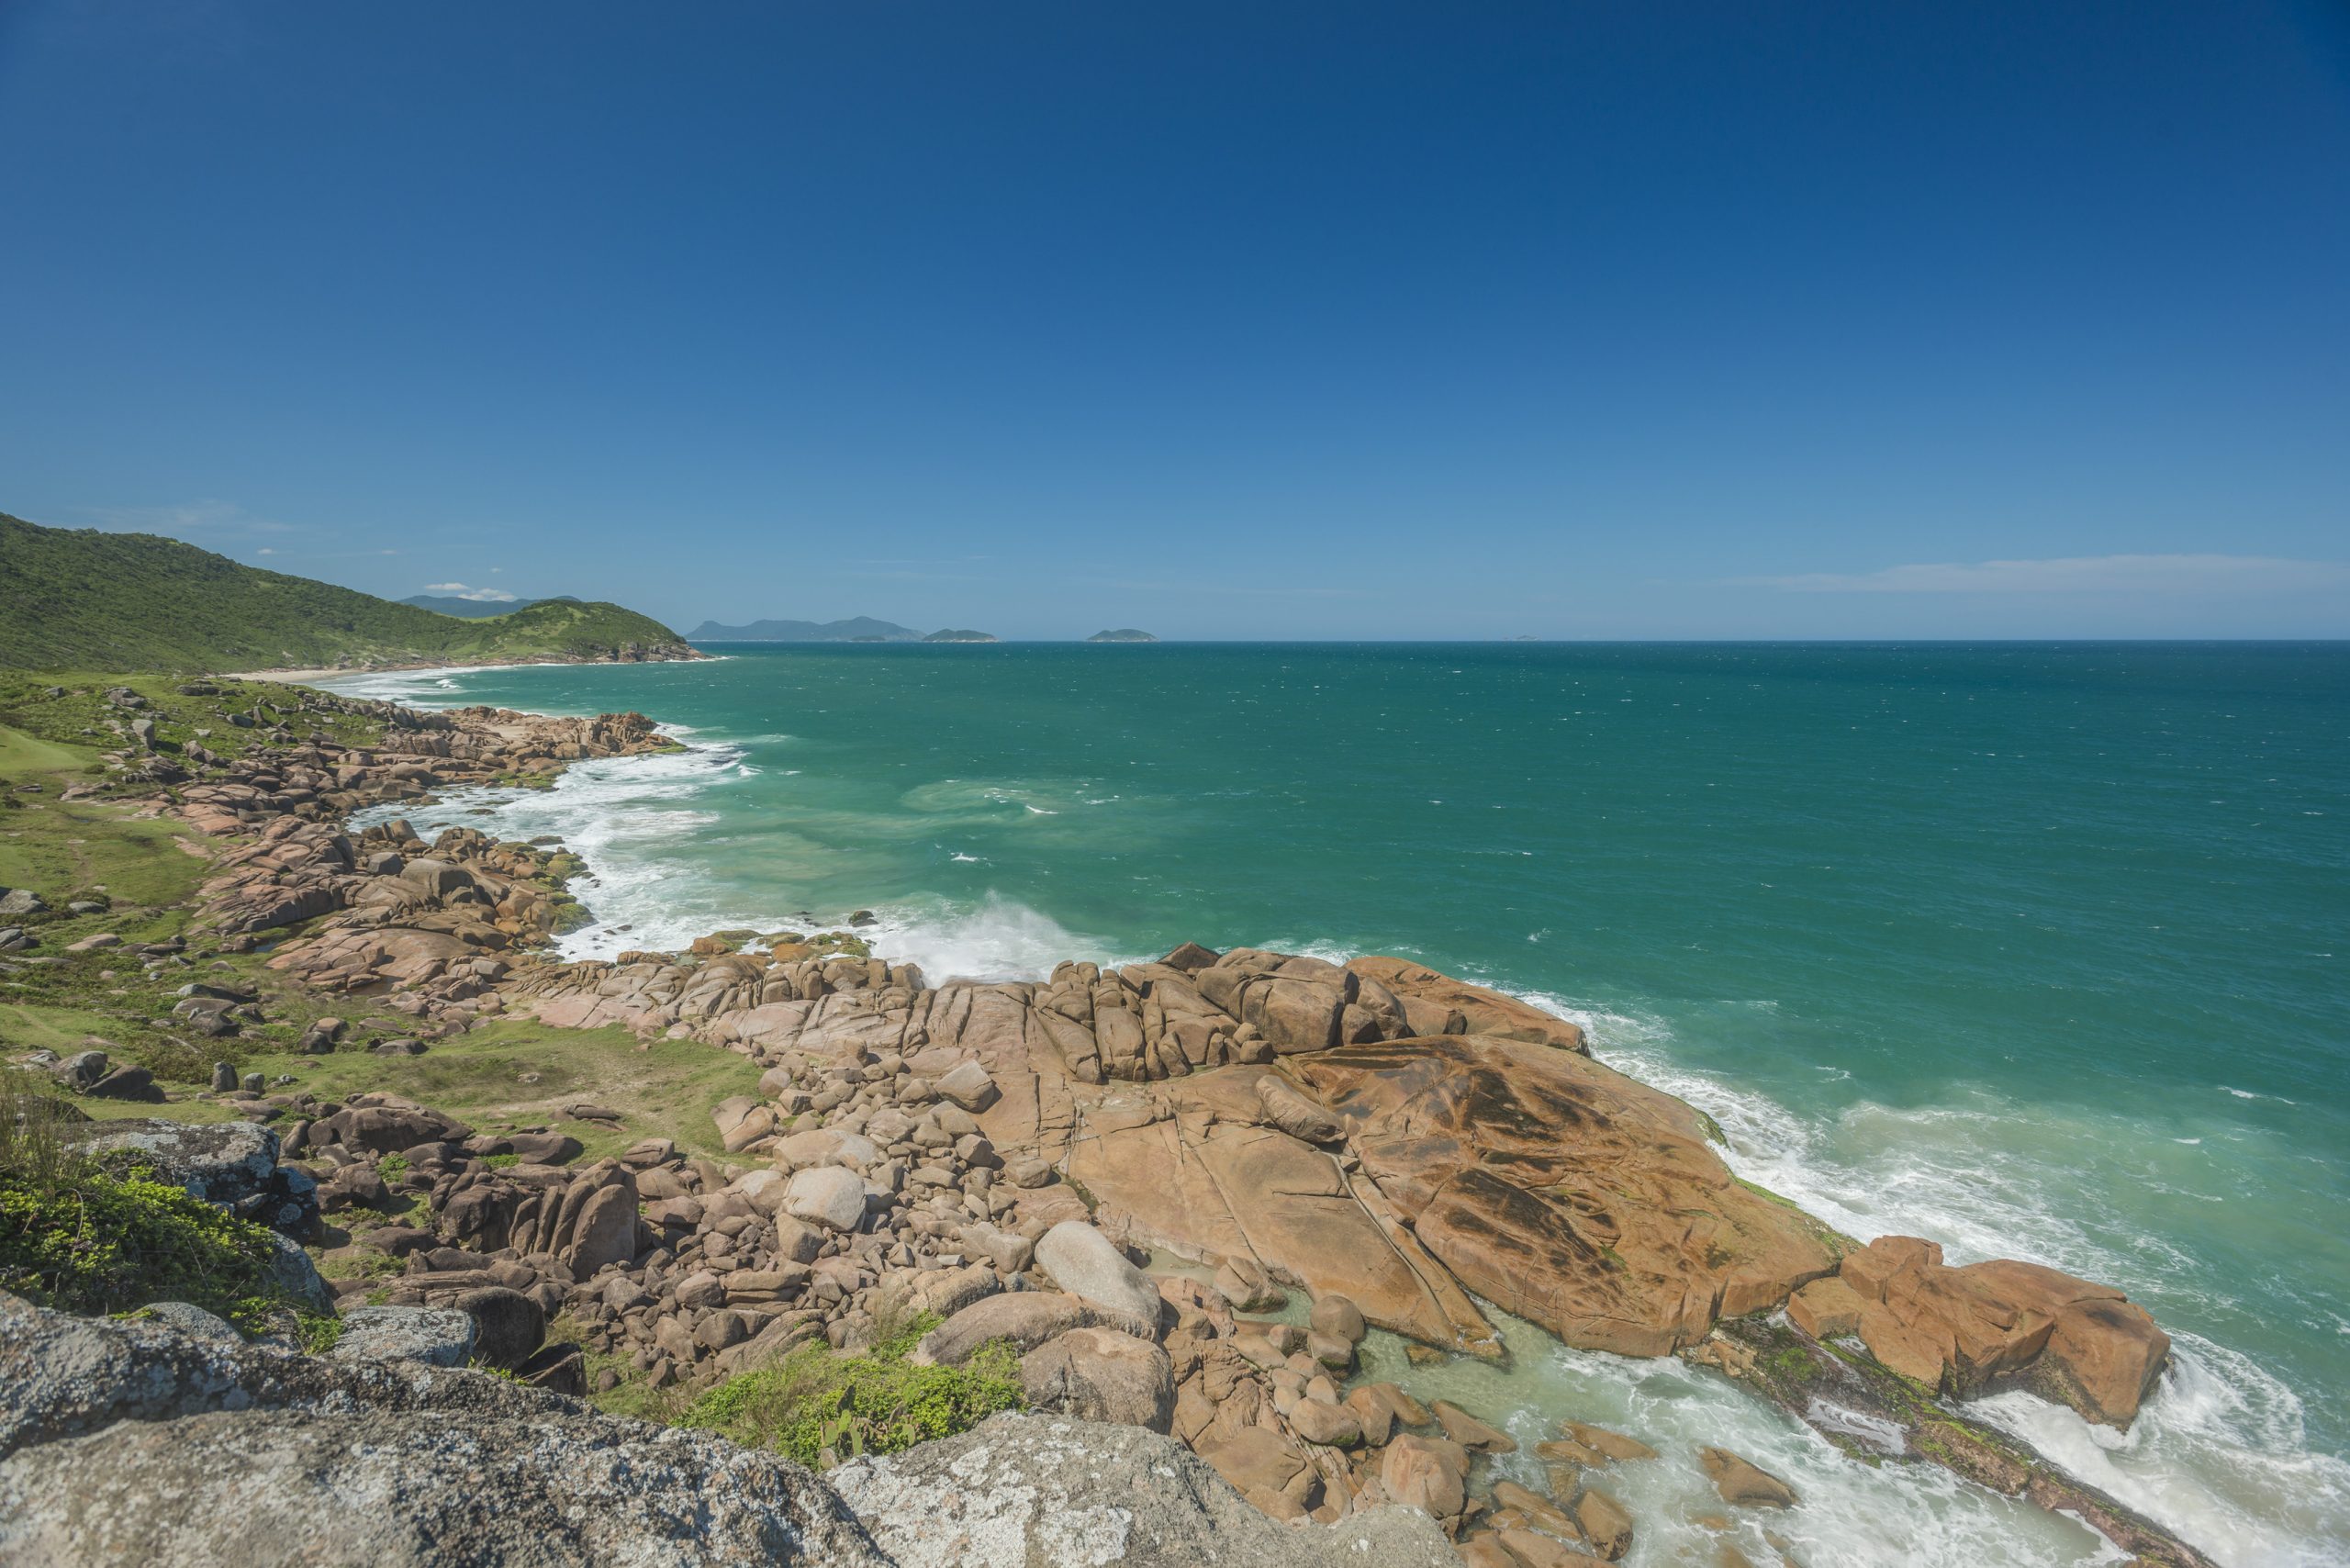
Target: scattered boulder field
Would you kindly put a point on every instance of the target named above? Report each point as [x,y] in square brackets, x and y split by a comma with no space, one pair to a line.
[1118,1173]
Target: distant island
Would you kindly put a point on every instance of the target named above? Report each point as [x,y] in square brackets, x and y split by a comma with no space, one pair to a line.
[856,629]
[479,609]
[960,635]
[1122,634]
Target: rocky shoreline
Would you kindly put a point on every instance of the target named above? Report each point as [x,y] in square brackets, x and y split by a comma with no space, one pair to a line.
[1399,1145]
[626,654]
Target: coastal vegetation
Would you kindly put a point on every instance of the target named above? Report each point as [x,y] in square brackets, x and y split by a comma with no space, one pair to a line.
[479,609]
[818,1404]
[83,598]
[86,1239]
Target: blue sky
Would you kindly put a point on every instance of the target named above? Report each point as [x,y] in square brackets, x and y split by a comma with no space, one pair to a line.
[1349,320]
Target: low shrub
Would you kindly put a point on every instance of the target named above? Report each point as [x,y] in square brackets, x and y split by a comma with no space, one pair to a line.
[818,1404]
[93,1243]
[82,1239]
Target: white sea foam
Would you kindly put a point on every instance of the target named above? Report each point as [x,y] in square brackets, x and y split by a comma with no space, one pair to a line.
[2218,1454]
[1853,1514]
[624,817]
[997,939]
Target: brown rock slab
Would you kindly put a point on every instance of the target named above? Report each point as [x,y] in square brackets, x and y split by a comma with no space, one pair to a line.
[1614,1445]
[1100,1374]
[1742,1483]
[1427,1474]
[1563,1190]
[1605,1522]
[1826,1309]
[1476,1436]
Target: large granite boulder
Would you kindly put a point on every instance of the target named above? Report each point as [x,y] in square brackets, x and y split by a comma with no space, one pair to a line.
[1481,1010]
[1199,1172]
[1083,1263]
[1100,1374]
[2005,1323]
[1563,1191]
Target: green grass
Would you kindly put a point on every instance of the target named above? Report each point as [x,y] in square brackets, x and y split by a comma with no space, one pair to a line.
[818,1400]
[69,708]
[82,598]
[666,1089]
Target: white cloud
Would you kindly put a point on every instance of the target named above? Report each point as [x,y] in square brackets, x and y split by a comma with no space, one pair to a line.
[2078,573]
[480,595]
[264,550]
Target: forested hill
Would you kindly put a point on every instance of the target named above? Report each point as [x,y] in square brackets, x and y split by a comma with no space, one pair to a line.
[81,599]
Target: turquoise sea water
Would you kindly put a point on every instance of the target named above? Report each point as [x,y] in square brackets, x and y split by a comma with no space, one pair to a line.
[2038,950]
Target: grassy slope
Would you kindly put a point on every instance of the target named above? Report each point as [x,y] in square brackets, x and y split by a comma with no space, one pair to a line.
[81,599]
[499,1074]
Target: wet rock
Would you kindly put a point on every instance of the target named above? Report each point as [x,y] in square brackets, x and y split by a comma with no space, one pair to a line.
[1971,1331]
[1744,1483]
[1612,1446]
[1605,1522]
[1532,1549]
[1476,1436]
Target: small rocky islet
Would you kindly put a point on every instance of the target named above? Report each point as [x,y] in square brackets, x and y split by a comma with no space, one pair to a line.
[1117,1172]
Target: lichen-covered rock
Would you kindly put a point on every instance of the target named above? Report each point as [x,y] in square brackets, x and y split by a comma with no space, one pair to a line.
[1032,1492]
[436,1337]
[234,1164]
[255,1489]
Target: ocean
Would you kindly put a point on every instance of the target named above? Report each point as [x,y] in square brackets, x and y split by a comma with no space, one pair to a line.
[2038,950]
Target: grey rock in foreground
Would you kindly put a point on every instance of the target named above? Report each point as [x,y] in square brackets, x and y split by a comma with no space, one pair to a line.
[393,1489]
[139,1442]
[1038,1492]
[132,1442]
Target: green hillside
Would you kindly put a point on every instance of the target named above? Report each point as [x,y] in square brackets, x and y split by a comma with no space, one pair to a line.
[78,599]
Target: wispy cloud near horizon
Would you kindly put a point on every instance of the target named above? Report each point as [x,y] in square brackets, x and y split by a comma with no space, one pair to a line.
[2077,574]
[190,517]
[479,595]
